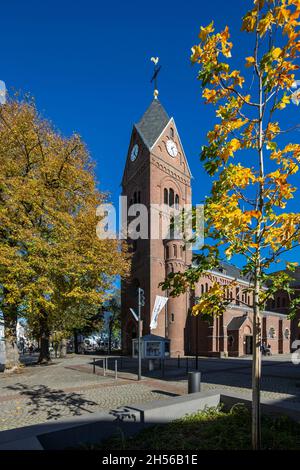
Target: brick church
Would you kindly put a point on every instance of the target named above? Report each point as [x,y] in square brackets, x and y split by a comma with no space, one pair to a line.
[157,172]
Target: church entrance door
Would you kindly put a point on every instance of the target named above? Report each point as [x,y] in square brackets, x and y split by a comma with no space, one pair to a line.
[248,344]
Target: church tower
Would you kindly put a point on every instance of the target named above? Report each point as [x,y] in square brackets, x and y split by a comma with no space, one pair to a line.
[156,173]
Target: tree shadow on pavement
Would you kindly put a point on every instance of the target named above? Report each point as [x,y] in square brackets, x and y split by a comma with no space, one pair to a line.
[53,402]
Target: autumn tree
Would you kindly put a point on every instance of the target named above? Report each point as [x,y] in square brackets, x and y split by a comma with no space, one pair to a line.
[54,270]
[253,171]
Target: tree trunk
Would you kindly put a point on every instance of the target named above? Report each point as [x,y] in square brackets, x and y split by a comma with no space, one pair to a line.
[256,374]
[10,337]
[63,348]
[44,356]
[109,339]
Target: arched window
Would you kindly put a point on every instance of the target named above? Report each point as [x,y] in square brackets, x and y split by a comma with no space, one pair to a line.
[167,252]
[202,288]
[177,201]
[166,196]
[172,317]
[206,287]
[172,228]
[272,333]
[181,251]
[171,132]
[171,197]
[175,250]
[287,333]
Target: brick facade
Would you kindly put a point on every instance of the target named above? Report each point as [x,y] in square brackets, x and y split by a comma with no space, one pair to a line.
[156,177]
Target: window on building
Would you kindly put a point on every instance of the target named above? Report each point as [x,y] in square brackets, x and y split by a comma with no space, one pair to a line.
[181,251]
[171,132]
[202,289]
[172,228]
[287,333]
[167,252]
[272,333]
[206,287]
[177,201]
[166,196]
[175,251]
[171,197]
[172,317]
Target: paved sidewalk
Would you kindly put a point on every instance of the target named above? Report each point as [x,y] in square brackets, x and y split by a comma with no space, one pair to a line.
[69,388]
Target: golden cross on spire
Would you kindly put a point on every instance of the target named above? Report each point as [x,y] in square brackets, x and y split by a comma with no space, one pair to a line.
[155,73]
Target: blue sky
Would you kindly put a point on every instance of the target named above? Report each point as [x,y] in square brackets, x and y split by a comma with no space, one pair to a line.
[87,63]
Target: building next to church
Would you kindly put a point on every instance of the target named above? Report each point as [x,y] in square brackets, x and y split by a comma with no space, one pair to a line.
[156,173]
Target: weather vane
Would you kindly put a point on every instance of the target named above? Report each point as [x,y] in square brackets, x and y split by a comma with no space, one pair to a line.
[154,78]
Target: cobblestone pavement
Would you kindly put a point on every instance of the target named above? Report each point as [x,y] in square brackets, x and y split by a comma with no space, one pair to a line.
[68,388]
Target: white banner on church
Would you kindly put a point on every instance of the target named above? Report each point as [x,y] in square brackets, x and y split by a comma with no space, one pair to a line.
[159,304]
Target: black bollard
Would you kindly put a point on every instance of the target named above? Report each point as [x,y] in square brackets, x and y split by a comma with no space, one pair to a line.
[194,382]
[178,361]
[187,365]
[94,366]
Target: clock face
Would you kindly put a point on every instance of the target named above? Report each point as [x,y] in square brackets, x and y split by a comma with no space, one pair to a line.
[134,152]
[172,148]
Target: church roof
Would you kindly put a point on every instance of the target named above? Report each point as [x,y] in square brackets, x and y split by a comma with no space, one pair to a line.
[152,123]
[236,323]
[232,271]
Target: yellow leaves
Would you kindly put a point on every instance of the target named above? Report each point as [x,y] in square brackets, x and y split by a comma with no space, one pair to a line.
[212,303]
[272,130]
[233,146]
[276,53]
[196,53]
[285,100]
[205,31]
[238,80]
[226,46]
[249,21]
[284,231]
[250,61]
[266,23]
[237,176]
[49,197]
[282,14]
[209,95]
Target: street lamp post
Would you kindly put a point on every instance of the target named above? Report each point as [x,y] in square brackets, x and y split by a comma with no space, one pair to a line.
[141,303]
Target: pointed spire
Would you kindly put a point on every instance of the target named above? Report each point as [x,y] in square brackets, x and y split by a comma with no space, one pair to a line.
[152,123]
